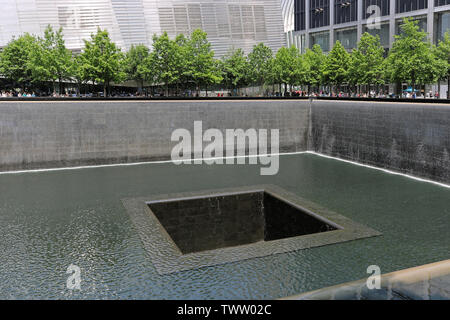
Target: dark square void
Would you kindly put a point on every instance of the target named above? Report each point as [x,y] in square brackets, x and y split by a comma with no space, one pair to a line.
[219,221]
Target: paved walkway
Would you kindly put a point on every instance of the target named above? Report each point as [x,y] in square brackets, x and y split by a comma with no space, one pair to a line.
[427,282]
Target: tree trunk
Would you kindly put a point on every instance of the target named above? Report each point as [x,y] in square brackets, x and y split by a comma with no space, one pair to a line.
[448,87]
[60,85]
[439,90]
[104,89]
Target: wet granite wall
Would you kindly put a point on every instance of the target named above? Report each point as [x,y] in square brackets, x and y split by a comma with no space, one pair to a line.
[212,223]
[411,138]
[283,220]
[59,134]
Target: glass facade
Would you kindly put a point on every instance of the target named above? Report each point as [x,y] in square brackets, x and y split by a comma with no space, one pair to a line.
[345,11]
[410,5]
[422,23]
[383,8]
[319,13]
[348,38]
[228,23]
[299,15]
[442,26]
[438,3]
[322,39]
[382,33]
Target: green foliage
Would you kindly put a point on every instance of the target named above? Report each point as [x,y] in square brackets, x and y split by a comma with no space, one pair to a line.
[235,69]
[166,60]
[189,62]
[15,57]
[260,64]
[336,65]
[104,61]
[366,65]
[314,60]
[286,63]
[200,66]
[79,69]
[442,52]
[51,60]
[134,63]
[411,59]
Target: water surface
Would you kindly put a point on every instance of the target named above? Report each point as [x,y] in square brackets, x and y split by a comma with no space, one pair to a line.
[49,220]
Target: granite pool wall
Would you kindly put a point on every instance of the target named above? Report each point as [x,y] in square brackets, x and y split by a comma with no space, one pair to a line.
[51,134]
[411,138]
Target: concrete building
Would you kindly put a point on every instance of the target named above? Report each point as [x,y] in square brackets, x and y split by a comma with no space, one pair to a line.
[229,23]
[325,21]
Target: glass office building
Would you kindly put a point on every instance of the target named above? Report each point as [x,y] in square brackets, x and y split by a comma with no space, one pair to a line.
[347,20]
[229,23]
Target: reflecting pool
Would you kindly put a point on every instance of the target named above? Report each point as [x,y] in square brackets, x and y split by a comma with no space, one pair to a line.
[50,220]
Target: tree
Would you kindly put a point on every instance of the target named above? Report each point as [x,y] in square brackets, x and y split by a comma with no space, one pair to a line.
[165,61]
[15,57]
[104,60]
[411,59]
[314,60]
[336,65]
[80,70]
[289,67]
[442,52]
[234,66]
[134,63]
[366,64]
[259,64]
[200,64]
[51,60]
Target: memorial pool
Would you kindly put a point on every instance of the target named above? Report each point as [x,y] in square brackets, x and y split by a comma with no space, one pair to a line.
[52,219]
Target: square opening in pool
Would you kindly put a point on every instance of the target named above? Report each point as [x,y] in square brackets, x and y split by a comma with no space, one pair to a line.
[226,220]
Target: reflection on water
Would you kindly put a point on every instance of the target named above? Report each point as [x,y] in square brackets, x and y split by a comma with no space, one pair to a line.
[50,220]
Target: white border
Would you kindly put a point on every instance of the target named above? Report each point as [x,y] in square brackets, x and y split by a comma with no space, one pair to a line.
[246,156]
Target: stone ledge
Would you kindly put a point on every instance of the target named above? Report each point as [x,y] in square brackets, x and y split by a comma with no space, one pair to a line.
[167,258]
[426,282]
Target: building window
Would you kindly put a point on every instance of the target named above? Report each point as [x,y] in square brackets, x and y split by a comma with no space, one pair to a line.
[443,25]
[322,39]
[299,15]
[382,33]
[410,5]
[421,22]
[319,13]
[345,11]
[438,3]
[348,38]
[383,8]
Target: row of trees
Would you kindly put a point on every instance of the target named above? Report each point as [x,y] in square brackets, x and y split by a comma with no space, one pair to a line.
[189,62]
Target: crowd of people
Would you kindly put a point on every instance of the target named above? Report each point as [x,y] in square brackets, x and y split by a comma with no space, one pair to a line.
[12,93]
[371,94]
[297,93]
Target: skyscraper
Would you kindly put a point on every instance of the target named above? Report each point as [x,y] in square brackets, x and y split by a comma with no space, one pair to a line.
[325,21]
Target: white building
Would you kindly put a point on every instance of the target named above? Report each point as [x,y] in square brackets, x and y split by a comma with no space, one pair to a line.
[229,23]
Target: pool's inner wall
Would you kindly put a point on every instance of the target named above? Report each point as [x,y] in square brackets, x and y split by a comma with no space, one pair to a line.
[411,138]
[59,134]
